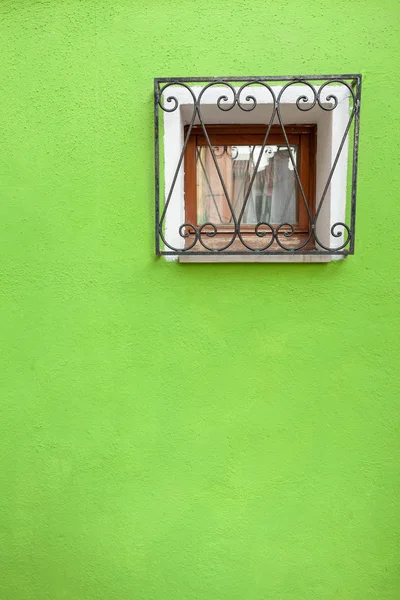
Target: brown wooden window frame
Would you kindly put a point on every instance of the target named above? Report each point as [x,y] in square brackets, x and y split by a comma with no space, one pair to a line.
[305,136]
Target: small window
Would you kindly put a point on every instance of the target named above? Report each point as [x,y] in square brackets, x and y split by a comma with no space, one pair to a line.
[234,176]
[256,169]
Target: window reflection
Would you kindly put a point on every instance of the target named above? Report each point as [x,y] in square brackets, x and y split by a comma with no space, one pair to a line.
[272,197]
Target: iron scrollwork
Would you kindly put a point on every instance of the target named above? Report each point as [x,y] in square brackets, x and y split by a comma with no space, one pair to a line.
[315,91]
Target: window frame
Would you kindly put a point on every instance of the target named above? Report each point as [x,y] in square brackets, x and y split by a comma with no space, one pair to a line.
[305,136]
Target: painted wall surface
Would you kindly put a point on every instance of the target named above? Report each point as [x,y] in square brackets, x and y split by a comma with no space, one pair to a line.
[210,432]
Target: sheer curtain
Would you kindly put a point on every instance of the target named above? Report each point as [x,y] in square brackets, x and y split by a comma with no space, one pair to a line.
[273,194]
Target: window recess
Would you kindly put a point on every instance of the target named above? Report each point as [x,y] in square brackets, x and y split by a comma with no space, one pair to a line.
[256,168]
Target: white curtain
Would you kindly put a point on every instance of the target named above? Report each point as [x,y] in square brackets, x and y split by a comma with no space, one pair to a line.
[273,194]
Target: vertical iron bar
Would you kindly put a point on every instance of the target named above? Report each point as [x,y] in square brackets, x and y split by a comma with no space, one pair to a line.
[157,167]
[355,165]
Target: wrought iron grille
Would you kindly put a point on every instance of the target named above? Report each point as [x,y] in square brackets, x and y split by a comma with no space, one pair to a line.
[318,92]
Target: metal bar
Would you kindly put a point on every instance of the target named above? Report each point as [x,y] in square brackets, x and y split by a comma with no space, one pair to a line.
[179,164]
[256,166]
[355,165]
[198,104]
[350,233]
[253,78]
[298,183]
[157,168]
[256,253]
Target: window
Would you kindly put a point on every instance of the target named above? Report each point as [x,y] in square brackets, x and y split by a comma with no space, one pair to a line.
[256,169]
[241,178]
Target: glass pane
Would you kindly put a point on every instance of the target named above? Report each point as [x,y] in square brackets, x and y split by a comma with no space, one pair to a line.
[272,198]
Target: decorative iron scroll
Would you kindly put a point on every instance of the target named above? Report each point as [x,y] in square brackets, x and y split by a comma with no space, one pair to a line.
[238,94]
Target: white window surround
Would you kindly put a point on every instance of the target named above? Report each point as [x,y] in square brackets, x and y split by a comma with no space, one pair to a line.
[330,129]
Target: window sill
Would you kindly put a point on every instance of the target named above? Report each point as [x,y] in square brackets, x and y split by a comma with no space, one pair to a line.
[222,240]
[260,258]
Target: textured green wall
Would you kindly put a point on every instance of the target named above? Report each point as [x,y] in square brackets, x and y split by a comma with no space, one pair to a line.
[183,432]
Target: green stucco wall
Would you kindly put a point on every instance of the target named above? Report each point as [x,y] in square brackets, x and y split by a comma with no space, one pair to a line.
[183,432]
